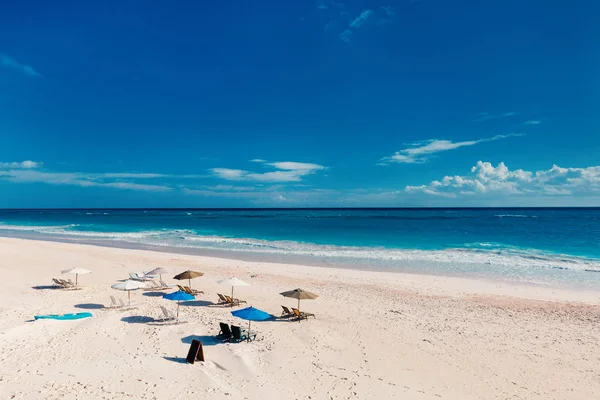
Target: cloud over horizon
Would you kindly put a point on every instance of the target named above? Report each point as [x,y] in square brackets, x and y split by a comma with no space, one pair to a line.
[285,171]
[421,151]
[500,180]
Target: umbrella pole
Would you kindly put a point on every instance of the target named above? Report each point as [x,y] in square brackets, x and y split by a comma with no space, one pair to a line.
[177,309]
[190,282]
[248,334]
[76,276]
[232,295]
[129,297]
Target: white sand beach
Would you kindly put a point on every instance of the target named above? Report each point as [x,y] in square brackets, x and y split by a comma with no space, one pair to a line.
[376,335]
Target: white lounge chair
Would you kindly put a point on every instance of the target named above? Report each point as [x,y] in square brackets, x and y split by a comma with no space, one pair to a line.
[164,284]
[167,316]
[126,306]
[114,303]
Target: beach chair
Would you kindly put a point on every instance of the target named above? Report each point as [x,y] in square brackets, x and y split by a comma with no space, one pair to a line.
[67,284]
[181,288]
[113,303]
[126,306]
[225,333]
[222,299]
[286,313]
[58,283]
[301,314]
[152,285]
[164,285]
[234,302]
[238,334]
[167,316]
[191,291]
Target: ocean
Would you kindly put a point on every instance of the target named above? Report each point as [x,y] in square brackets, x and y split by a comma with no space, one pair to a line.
[545,246]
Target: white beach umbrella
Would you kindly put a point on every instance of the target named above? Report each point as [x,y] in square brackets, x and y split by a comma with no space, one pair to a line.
[158,271]
[128,286]
[233,282]
[76,271]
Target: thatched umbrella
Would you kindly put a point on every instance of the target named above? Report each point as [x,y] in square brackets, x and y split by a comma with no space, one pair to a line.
[189,275]
[300,295]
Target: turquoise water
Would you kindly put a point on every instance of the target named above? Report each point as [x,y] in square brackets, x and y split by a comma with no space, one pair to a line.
[544,246]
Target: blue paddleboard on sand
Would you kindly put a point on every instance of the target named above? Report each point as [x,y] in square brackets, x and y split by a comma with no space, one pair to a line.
[63,317]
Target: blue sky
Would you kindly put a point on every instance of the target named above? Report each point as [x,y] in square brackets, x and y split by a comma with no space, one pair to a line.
[299,103]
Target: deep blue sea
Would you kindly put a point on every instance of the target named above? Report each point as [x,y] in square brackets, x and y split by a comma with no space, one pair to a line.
[558,247]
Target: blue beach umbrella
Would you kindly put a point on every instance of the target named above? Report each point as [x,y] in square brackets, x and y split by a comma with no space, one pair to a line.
[251,314]
[178,296]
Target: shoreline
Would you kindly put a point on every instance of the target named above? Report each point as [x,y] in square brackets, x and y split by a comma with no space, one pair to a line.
[444,284]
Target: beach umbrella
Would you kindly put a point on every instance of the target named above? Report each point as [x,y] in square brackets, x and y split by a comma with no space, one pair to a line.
[128,286]
[158,271]
[251,314]
[300,295]
[76,271]
[233,282]
[189,275]
[178,296]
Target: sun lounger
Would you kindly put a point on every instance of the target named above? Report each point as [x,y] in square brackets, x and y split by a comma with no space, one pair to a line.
[164,285]
[126,306]
[66,284]
[222,299]
[58,283]
[286,313]
[301,314]
[191,291]
[167,316]
[139,276]
[234,302]
[225,333]
[181,288]
[113,303]
[152,285]
[238,334]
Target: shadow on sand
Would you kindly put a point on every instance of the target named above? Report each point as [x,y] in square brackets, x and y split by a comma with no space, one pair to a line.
[206,340]
[153,294]
[180,360]
[89,306]
[198,303]
[45,287]
[138,319]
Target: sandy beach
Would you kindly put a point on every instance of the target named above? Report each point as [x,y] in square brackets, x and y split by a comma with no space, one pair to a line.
[376,335]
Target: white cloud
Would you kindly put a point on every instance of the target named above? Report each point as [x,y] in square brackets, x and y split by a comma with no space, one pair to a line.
[533,122]
[73,179]
[10,62]
[21,165]
[135,186]
[361,19]
[420,151]
[228,173]
[388,10]
[484,116]
[487,179]
[258,160]
[286,171]
[133,175]
[346,35]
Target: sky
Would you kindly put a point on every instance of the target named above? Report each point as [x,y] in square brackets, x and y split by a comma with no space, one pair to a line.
[299,103]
